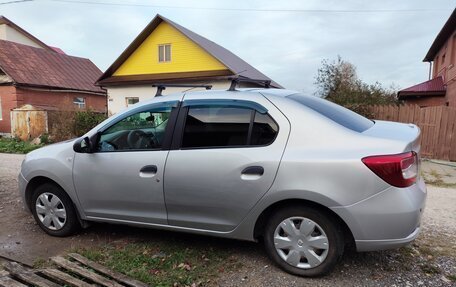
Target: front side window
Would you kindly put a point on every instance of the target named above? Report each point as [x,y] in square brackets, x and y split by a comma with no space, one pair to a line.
[131,101]
[79,102]
[222,126]
[164,53]
[141,131]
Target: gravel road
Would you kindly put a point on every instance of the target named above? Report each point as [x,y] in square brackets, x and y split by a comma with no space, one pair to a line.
[429,261]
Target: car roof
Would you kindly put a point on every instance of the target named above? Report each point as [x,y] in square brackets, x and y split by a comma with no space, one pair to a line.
[179,96]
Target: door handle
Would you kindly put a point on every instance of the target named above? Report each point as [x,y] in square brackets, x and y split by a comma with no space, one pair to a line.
[253,170]
[148,171]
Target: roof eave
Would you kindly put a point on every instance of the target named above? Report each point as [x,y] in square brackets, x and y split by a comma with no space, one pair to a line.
[408,95]
[447,29]
[60,89]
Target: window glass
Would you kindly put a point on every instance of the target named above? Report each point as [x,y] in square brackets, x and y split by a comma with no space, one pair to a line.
[140,131]
[131,101]
[167,53]
[161,53]
[80,102]
[216,126]
[164,53]
[1,118]
[336,113]
[264,130]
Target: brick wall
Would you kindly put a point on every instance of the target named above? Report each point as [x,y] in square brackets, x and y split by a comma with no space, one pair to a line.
[8,102]
[12,97]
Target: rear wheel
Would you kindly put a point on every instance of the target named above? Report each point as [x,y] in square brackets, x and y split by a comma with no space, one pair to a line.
[54,211]
[303,241]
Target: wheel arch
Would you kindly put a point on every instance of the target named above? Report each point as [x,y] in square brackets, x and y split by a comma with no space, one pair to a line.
[33,184]
[261,221]
[40,180]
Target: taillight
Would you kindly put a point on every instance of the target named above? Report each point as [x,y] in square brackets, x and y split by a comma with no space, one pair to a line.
[400,170]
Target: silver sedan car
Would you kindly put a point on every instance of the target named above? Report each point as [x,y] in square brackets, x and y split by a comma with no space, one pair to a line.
[301,174]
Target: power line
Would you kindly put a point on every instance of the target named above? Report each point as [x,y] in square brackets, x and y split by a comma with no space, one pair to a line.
[253,9]
[14,2]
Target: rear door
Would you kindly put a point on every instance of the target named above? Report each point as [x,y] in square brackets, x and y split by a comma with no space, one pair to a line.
[225,158]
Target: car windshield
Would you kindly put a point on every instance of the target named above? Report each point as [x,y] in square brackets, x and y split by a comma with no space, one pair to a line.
[336,113]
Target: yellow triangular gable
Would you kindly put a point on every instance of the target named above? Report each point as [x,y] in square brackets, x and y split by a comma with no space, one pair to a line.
[186,56]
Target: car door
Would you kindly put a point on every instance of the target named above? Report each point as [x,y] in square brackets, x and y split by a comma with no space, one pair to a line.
[224,159]
[123,179]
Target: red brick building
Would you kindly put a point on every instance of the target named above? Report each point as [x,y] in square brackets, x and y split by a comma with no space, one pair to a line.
[32,73]
[441,88]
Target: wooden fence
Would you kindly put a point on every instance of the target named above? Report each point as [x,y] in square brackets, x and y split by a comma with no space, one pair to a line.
[437,124]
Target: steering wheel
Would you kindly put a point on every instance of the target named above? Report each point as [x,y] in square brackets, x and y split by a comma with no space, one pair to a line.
[138,139]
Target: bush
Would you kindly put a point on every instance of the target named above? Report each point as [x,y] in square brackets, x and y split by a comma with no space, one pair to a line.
[85,121]
[65,125]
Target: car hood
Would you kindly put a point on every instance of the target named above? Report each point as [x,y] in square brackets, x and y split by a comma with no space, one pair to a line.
[51,150]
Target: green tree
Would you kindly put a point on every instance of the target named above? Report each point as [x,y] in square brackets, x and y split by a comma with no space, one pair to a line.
[337,81]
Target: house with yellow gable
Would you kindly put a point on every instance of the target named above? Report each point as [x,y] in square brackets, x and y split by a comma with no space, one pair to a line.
[167,53]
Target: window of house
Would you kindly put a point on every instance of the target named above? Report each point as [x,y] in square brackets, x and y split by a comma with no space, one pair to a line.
[443,59]
[164,53]
[219,126]
[453,51]
[1,117]
[131,101]
[79,102]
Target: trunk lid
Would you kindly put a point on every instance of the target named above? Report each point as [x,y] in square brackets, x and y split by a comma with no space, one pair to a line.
[409,134]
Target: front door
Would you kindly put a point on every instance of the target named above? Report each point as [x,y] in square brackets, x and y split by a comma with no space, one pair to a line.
[226,161]
[123,179]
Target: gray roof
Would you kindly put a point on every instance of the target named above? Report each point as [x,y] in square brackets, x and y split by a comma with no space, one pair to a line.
[235,64]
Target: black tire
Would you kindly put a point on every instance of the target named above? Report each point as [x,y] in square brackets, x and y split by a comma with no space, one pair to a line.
[328,224]
[71,224]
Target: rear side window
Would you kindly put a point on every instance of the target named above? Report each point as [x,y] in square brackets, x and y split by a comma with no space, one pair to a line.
[264,130]
[336,113]
[222,126]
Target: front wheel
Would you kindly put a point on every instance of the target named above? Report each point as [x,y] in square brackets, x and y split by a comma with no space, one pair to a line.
[303,241]
[54,211]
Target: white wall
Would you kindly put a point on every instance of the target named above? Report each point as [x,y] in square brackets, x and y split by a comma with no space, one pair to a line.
[9,34]
[117,95]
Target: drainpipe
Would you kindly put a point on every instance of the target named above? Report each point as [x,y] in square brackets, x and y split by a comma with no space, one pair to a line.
[430,69]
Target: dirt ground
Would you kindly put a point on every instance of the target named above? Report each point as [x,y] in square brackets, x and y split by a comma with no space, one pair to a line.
[429,261]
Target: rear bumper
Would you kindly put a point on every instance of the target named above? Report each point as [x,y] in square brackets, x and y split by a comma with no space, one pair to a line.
[372,245]
[389,219]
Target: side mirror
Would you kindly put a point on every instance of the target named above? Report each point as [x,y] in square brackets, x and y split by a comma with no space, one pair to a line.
[83,145]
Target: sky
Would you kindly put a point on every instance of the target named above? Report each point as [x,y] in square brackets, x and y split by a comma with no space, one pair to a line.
[286,40]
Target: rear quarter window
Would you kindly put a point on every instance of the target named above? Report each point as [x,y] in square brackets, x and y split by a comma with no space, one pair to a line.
[334,112]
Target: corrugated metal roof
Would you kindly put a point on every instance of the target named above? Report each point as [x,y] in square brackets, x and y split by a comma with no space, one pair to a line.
[235,64]
[434,87]
[36,67]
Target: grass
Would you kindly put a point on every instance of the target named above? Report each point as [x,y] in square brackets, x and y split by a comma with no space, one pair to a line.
[11,145]
[452,277]
[164,264]
[435,179]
